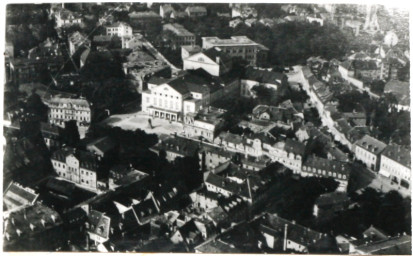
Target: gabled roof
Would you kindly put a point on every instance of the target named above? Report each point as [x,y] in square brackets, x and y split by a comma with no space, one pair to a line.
[16,196]
[99,224]
[263,76]
[145,210]
[179,145]
[331,199]
[275,225]
[103,144]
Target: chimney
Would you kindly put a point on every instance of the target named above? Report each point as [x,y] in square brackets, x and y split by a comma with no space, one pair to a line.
[217,60]
[285,237]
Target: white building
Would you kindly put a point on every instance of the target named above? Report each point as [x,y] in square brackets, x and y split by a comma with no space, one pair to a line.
[120,29]
[396,163]
[237,46]
[77,166]
[368,150]
[62,110]
[66,18]
[174,98]
[213,61]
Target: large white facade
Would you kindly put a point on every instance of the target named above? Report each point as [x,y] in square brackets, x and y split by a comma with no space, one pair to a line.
[119,29]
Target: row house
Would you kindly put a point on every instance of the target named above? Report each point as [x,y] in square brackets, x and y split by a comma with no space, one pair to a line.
[395,163]
[238,47]
[212,156]
[76,166]
[258,77]
[205,124]
[176,147]
[368,151]
[178,35]
[320,167]
[212,60]
[289,152]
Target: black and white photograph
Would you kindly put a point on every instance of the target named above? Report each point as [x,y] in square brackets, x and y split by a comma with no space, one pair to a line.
[214,127]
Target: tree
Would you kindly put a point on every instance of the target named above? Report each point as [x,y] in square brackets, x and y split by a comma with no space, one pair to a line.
[70,134]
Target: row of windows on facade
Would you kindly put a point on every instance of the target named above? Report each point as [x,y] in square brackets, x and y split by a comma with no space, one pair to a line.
[240,50]
[64,175]
[80,118]
[396,171]
[367,155]
[63,165]
[70,111]
[323,172]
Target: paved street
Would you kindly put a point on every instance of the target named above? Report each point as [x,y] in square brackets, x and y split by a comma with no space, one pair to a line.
[139,120]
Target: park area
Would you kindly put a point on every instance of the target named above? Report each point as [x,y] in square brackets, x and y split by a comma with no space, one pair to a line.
[140,120]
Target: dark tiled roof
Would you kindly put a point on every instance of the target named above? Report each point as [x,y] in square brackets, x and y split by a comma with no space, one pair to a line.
[212,53]
[99,224]
[86,159]
[393,246]
[333,198]
[32,219]
[263,76]
[297,233]
[146,210]
[104,144]
[294,146]
[371,144]
[399,154]
[17,195]
[179,145]
[328,166]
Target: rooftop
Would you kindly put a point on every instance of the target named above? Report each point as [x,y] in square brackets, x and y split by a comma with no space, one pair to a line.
[263,76]
[332,198]
[371,144]
[400,245]
[399,154]
[234,40]
[16,196]
[32,219]
[401,90]
[103,144]
[177,29]
[328,165]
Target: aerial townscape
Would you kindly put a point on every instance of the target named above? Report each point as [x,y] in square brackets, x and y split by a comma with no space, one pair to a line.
[207,128]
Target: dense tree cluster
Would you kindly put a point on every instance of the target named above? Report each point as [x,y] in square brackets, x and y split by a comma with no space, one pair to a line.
[389,212]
